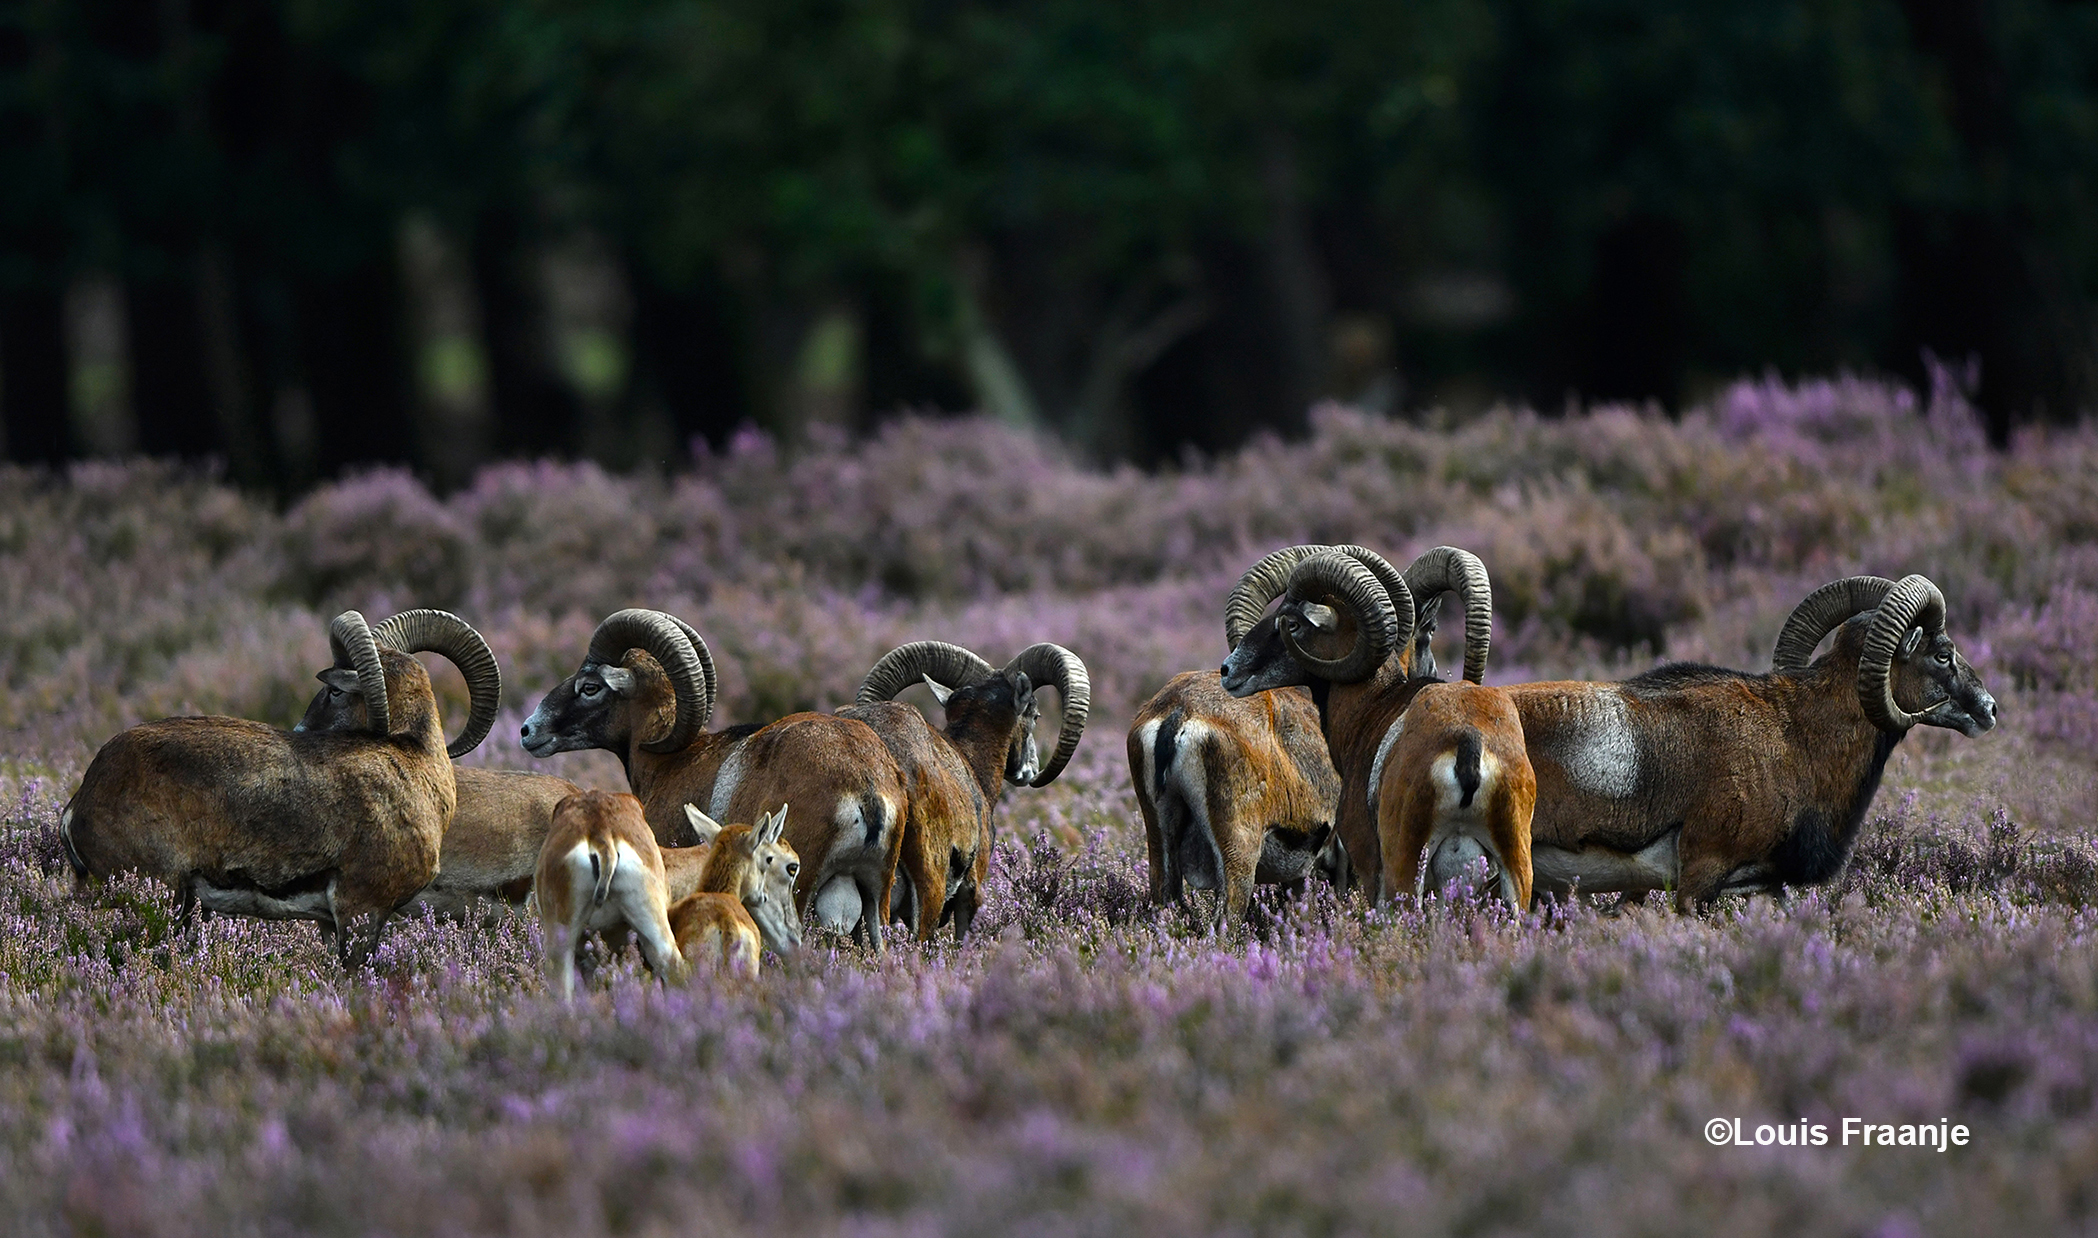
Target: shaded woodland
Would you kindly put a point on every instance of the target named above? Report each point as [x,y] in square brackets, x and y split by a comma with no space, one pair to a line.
[300,237]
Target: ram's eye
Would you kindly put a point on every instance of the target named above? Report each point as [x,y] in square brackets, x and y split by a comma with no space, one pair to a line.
[590,689]
[1944,658]
[335,694]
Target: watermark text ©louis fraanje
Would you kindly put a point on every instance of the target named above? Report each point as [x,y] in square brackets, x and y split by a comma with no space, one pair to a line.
[1852,1133]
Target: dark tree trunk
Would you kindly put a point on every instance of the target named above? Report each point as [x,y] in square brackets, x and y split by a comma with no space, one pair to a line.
[353,345]
[170,386]
[1302,302]
[33,376]
[686,357]
[533,411]
[1973,281]
[1222,381]
[1635,329]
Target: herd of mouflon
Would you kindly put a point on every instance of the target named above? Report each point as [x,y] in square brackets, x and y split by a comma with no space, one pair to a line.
[1327,743]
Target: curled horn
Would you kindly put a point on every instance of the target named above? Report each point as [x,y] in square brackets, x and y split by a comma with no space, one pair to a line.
[1394,581]
[442,632]
[706,663]
[350,640]
[1913,601]
[1269,579]
[949,665]
[663,639]
[1820,613]
[1444,569]
[1061,669]
[1382,623]
[1263,583]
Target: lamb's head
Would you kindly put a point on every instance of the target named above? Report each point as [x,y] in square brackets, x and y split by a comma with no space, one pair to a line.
[375,678]
[759,866]
[1909,672]
[972,693]
[647,676]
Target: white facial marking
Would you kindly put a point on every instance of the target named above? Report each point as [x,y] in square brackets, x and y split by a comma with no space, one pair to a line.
[1601,755]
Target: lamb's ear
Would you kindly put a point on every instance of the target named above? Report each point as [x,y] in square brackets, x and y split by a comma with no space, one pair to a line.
[779,824]
[703,825]
[939,693]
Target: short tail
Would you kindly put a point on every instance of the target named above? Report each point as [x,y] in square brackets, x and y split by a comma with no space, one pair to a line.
[874,816]
[1164,747]
[65,839]
[604,863]
[1466,769]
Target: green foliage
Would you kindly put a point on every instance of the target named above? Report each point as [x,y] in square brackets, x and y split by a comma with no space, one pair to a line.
[1029,205]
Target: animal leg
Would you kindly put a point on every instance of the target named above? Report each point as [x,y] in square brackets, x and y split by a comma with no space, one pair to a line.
[928,882]
[1404,828]
[964,910]
[871,903]
[1702,877]
[360,937]
[559,942]
[1237,894]
[659,949]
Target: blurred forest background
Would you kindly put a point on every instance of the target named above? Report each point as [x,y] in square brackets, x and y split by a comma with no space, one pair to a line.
[300,235]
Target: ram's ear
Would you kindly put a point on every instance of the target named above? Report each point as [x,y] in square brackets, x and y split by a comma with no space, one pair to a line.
[1909,642]
[939,693]
[617,678]
[703,825]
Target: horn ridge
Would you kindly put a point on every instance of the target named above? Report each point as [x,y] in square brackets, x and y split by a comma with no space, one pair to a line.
[1058,667]
[948,664]
[350,640]
[1332,573]
[662,638]
[444,633]
[1913,601]
[1449,569]
[1820,613]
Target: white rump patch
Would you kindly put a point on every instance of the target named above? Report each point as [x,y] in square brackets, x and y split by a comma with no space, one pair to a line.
[1188,770]
[1391,738]
[1601,755]
[1147,747]
[850,818]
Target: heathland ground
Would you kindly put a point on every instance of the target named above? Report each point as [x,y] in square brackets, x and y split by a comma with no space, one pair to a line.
[1085,1065]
